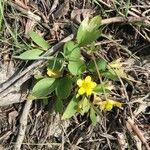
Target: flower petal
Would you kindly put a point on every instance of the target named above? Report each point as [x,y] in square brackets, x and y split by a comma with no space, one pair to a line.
[50,72]
[109,106]
[97,100]
[88,92]
[88,79]
[81,91]
[118,104]
[79,82]
[93,84]
[103,105]
[86,86]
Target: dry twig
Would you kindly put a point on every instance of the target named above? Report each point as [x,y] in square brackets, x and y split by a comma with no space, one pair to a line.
[23,125]
[126,20]
[24,11]
[138,132]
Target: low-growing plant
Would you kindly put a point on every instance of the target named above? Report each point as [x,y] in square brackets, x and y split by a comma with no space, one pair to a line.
[76,84]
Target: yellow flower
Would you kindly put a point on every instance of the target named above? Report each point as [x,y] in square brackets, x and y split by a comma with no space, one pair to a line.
[52,73]
[86,86]
[109,104]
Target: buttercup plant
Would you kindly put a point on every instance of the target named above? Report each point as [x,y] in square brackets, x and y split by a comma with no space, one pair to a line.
[86,86]
[70,77]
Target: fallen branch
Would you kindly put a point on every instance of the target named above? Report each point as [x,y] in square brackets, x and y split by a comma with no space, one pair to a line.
[25,11]
[138,132]
[121,141]
[126,20]
[23,125]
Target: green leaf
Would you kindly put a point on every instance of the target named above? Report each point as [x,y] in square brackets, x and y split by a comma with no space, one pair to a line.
[30,54]
[88,37]
[39,40]
[64,88]
[71,108]
[54,64]
[95,23]
[110,74]
[75,54]
[93,116]
[89,32]
[43,87]
[82,31]
[69,48]
[127,7]
[55,67]
[84,105]
[38,77]
[1,13]
[103,88]
[76,67]
[101,65]
[58,105]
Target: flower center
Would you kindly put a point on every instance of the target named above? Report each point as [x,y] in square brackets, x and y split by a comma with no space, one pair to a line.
[86,85]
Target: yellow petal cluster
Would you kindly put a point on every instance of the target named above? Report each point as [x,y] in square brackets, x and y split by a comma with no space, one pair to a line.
[108,104]
[51,73]
[86,86]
